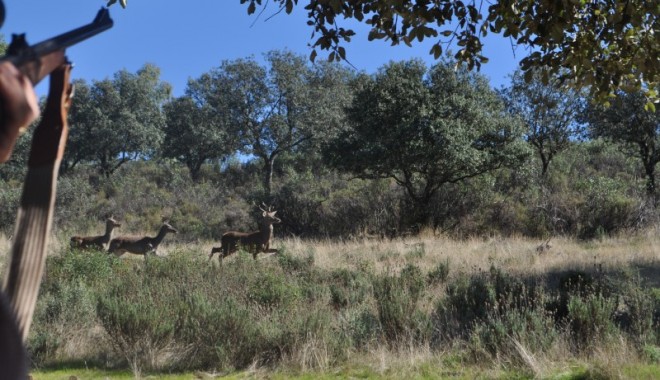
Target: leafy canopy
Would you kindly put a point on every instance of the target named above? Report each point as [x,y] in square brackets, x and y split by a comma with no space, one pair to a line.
[603,44]
[117,120]
[549,111]
[425,128]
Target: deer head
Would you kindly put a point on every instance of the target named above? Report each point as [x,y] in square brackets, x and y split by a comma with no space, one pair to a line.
[268,215]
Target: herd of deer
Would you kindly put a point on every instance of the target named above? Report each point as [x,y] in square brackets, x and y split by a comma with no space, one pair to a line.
[254,242]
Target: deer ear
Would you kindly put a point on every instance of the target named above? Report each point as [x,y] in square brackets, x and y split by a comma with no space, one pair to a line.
[273,213]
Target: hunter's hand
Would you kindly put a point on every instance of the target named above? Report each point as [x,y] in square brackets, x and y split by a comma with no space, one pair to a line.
[18,107]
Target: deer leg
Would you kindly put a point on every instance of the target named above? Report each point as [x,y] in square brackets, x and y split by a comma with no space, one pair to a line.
[225,252]
[213,251]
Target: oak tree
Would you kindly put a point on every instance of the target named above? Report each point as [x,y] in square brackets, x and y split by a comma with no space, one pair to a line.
[426,128]
[117,120]
[195,132]
[637,130]
[277,108]
[549,112]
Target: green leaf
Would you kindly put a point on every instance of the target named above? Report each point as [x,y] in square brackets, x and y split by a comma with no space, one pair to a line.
[649,107]
[342,52]
[436,50]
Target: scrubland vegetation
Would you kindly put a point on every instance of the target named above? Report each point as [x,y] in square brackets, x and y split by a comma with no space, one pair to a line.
[425,306]
[412,205]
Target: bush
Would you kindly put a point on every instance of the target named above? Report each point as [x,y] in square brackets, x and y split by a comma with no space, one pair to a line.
[479,298]
[66,306]
[348,288]
[140,321]
[272,290]
[590,319]
[222,333]
[501,336]
[439,274]
[10,197]
[396,301]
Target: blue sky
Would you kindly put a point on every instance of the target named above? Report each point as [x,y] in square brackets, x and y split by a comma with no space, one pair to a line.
[187,38]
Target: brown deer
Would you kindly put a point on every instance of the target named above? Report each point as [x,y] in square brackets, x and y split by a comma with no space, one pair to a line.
[255,242]
[96,242]
[544,247]
[140,245]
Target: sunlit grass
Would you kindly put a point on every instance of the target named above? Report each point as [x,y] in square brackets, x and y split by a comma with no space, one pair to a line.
[515,256]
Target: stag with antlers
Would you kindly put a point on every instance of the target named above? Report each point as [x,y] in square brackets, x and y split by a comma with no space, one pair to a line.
[254,242]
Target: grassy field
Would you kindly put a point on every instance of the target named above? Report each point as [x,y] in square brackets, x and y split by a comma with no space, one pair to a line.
[425,307]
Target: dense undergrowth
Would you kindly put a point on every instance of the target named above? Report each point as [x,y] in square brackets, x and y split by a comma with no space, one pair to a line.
[180,313]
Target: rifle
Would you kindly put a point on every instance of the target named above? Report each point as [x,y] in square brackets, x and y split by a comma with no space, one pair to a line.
[35,213]
[28,58]
[40,59]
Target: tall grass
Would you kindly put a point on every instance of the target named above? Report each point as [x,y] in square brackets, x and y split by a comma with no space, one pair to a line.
[318,305]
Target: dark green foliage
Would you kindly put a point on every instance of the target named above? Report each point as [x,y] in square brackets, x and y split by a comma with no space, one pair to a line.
[548,110]
[425,129]
[291,264]
[10,196]
[272,290]
[349,288]
[445,153]
[612,44]
[116,120]
[67,302]
[591,319]
[626,122]
[196,131]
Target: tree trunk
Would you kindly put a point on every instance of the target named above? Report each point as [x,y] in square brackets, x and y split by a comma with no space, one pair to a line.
[268,175]
[545,162]
[649,167]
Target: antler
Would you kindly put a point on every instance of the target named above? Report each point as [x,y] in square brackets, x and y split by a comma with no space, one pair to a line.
[262,208]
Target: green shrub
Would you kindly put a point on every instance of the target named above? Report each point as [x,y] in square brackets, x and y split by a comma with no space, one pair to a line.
[348,288]
[396,300]
[272,290]
[475,299]
[67,301]
[501,335]
[635,314]
[652,353]
[223,332]
[295,265]
[10,197]
[140,324]
[362,327]
[439,274]
[591,319]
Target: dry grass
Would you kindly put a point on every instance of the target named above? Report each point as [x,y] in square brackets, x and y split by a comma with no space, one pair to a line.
[516,255]
[513,255]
